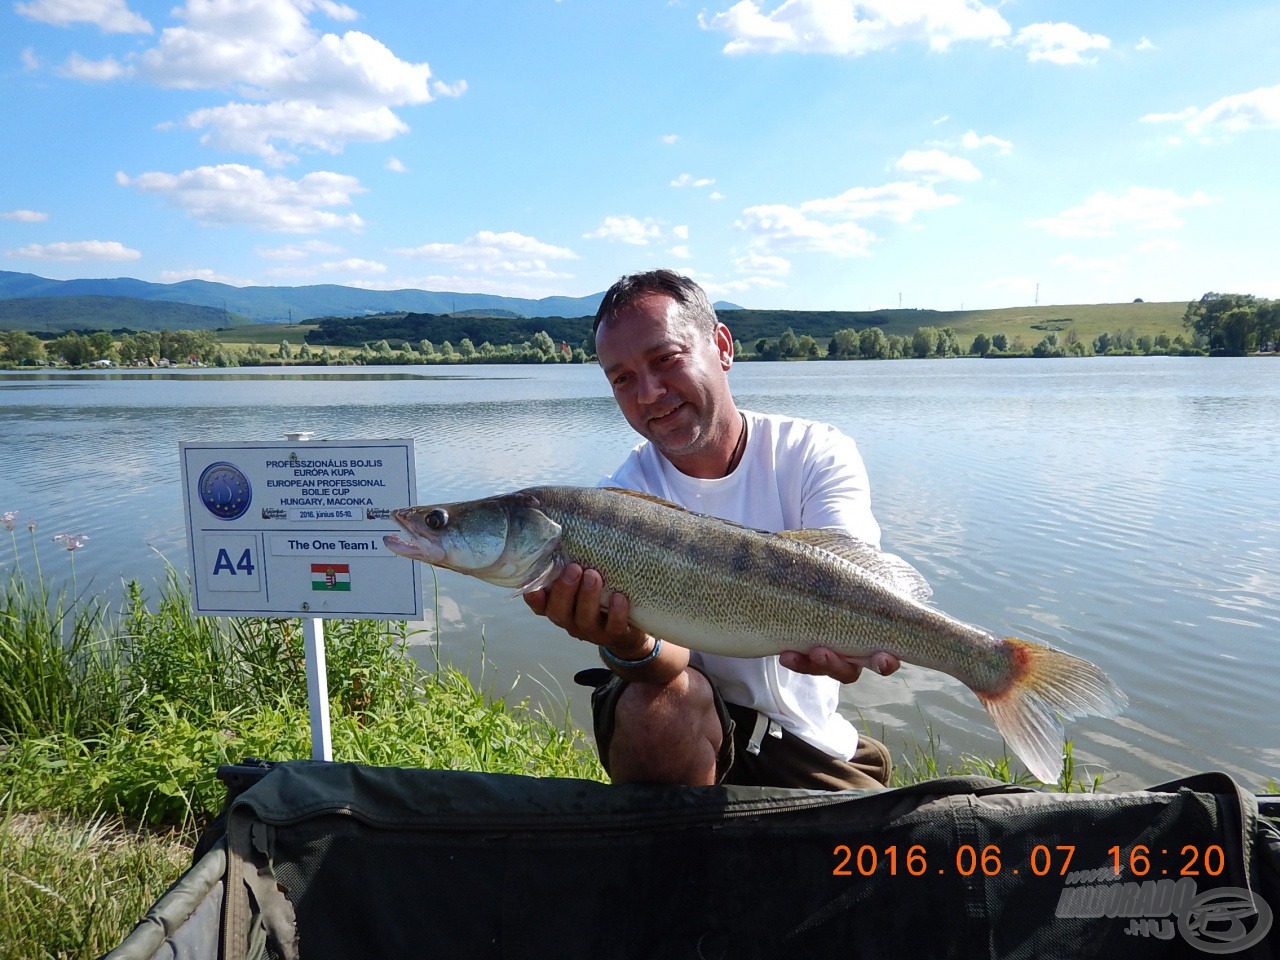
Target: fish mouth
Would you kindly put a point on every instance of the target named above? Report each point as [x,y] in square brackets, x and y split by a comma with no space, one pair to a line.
[413,549]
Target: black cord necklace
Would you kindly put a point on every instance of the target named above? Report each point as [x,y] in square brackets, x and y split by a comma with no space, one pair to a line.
[738,448]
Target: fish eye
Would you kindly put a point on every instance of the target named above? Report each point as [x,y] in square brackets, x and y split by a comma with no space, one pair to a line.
[437,518]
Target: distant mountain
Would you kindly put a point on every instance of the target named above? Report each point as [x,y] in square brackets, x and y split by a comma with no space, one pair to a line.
[298,304]
[294,304]
[56,314]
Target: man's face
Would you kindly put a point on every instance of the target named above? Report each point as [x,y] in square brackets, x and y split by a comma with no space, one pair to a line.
[668,378]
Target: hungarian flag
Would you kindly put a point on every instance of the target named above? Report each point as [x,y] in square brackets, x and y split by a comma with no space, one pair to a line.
[330,576]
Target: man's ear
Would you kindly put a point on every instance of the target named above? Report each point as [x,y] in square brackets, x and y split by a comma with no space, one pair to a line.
[724,345]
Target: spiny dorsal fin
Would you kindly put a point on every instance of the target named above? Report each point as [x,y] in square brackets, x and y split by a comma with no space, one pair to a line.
[892,569]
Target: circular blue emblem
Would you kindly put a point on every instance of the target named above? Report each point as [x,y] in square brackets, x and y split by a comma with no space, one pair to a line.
[225,491]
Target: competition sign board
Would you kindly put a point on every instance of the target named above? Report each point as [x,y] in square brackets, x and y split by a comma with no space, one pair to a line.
[295,528]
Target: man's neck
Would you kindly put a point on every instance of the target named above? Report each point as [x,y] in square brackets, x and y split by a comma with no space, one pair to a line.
[720,456]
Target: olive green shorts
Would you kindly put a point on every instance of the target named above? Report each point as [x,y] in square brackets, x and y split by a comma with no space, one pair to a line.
[772,761]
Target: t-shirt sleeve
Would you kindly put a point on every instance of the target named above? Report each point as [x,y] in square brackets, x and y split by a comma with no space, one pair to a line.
[836,491]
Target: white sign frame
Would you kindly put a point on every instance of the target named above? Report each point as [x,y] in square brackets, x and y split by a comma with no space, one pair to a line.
[294,528]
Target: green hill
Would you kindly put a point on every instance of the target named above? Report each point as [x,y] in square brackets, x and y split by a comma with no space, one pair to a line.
[53,314]
[1030,323]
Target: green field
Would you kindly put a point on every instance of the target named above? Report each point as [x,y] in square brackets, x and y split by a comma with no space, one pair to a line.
[1031,324]
[265,335]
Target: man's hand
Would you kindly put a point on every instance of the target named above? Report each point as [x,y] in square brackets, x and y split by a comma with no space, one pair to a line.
[573,603]
[823,661]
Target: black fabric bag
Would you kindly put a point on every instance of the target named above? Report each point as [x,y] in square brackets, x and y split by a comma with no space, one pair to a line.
[338,861]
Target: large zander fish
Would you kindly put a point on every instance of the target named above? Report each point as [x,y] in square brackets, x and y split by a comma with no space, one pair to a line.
[721,588]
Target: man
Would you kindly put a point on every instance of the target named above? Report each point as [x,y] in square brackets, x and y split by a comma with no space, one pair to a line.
[667,716]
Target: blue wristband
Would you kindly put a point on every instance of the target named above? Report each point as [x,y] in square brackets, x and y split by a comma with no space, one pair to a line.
[610,659]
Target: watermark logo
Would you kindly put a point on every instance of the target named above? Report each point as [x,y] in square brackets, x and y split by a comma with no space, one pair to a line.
[1220,920]
[1225,920]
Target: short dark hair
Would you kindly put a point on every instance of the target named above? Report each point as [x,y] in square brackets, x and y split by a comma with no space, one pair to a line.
[695,308]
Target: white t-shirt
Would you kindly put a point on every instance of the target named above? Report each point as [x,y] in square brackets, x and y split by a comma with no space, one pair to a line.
[794,474]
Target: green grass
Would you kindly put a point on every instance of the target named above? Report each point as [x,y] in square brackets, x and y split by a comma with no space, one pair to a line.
[114,721]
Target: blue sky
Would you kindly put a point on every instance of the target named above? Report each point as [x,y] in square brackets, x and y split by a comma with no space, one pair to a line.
[815,154]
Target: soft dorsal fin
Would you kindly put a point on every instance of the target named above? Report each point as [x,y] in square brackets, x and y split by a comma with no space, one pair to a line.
[888,567]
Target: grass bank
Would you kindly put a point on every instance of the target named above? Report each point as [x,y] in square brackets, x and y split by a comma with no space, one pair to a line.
[114,720]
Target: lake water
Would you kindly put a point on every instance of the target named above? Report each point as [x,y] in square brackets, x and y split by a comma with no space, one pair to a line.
[1124,509]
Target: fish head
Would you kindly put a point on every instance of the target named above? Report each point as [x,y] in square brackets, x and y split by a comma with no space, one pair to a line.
[503,540]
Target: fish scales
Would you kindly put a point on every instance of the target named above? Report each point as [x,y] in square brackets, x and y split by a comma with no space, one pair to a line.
[725,589]
[759,591]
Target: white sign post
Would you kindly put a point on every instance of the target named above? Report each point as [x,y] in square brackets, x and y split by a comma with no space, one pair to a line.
[295,529]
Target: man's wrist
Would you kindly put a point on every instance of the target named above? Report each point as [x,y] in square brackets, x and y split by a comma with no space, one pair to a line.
[636,657]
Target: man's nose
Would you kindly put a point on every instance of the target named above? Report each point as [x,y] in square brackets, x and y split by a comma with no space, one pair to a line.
[649,388]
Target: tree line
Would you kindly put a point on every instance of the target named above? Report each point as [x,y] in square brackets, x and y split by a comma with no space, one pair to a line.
[79,349]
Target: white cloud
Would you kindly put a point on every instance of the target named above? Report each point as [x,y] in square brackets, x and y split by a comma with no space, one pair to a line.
[1061,43]
[716,289]
[1142,208]
[233,193]
[202,273]
[489,247]
[492,260]
[830,225]
[74,252]
[304,88]
[761,264]
[688,180]
[626,229]
[254,127]
[451,90]
[670,138]
[396,166]
[347,268]
[780,226]
[715,195]
[1256,110]
[30,62]
[971,141]
[94,71]
[852,28]
[899,201]
[680,232]
[110,16]
[24,216]
[297,251]
[527,285]
[353,265]
[942,119]
[935,165]
[1145,44]
[681,252]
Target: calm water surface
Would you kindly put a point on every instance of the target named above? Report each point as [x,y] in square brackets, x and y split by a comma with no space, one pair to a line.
[1124,509]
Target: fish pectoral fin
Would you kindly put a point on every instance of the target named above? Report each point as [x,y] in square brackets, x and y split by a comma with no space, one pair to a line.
[542,576]
[886,567]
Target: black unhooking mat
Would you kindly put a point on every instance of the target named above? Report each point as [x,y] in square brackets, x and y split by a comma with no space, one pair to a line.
[342,861]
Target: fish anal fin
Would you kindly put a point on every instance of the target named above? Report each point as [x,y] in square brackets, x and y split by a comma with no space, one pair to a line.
[887,567]
[1047,684]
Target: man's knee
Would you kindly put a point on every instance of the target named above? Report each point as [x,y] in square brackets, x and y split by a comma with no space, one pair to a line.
[666,733]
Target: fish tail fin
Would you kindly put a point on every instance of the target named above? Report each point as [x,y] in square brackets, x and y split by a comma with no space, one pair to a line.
[1047,683]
